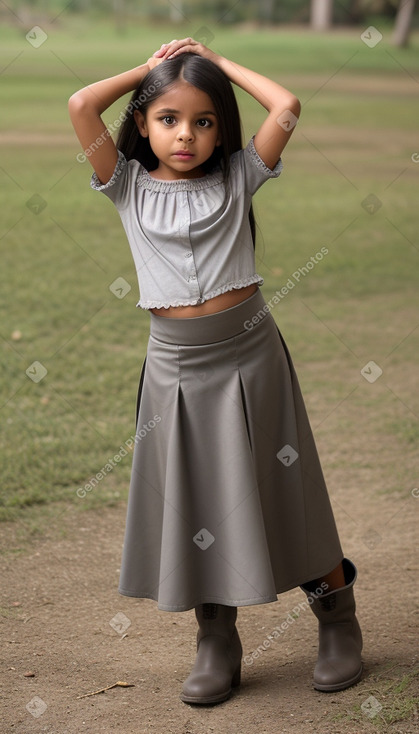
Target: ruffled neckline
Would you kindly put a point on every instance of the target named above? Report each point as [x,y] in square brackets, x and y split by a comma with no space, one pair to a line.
[145,181]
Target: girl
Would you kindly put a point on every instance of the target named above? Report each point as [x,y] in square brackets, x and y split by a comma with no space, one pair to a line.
[227,504]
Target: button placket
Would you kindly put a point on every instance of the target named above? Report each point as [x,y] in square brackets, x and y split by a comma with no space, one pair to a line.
[191,273]
[191,270]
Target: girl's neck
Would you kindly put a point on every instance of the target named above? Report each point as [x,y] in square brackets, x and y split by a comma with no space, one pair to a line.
[164,174]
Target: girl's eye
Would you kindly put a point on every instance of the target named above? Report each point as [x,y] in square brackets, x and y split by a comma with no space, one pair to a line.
[168,119]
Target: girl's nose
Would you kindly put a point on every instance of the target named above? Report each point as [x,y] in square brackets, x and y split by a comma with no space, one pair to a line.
[185,134]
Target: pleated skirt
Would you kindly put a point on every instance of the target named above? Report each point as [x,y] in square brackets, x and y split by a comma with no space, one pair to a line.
[227,501]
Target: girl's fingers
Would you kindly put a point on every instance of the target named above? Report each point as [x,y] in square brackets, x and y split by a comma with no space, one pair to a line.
[176,47]
[161,50]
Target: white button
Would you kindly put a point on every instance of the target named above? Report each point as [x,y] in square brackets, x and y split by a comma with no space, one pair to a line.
[192,277]
[188,254]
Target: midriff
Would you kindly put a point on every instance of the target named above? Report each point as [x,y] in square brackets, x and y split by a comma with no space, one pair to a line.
[218,303]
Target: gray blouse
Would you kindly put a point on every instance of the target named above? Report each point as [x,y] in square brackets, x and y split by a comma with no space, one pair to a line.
[190,238]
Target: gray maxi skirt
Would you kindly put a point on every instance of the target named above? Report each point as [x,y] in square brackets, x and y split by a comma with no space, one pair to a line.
[227,501]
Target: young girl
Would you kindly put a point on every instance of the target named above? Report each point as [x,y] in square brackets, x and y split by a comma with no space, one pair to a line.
[227,504]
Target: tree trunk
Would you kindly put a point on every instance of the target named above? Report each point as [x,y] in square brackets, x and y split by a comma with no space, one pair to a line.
[266,10]
[321,14]
[119,15]
[403,22]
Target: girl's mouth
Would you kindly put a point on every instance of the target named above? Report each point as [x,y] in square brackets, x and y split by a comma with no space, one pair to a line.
[184,155]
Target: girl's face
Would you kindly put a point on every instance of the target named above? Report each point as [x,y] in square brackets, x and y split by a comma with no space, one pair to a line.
[183,131]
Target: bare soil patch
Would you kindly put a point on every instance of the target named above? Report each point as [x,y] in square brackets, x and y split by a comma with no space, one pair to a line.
[59,597]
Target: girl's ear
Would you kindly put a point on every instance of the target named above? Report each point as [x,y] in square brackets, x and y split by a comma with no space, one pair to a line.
[141,123]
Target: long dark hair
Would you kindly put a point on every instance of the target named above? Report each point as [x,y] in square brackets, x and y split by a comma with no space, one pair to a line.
[204,75]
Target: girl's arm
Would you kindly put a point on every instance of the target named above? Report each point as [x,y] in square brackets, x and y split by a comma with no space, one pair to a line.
[87,105]
[283,107]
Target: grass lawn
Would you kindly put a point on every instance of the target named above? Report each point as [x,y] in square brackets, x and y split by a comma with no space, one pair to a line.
[349,185]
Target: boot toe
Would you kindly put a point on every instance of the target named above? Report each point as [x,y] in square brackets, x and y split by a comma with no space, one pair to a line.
[336,675]
[206,688]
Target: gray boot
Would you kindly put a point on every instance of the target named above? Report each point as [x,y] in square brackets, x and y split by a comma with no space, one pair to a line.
[219,652]
[340,640]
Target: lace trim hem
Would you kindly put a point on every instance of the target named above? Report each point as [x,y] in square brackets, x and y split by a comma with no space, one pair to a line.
[96,184]
[271,172]
[195,301]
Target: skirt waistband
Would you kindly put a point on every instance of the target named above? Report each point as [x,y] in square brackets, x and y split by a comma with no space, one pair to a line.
[212,327]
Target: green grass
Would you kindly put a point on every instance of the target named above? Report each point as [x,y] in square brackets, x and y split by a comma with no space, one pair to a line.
[392,700]
[356,137]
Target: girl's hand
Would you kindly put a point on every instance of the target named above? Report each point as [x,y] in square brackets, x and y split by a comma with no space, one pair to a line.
[186,45]
[153,61]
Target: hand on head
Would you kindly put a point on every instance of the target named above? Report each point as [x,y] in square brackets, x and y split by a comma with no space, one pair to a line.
[175,47]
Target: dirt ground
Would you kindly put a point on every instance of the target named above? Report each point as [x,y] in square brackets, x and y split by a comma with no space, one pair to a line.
[65,624]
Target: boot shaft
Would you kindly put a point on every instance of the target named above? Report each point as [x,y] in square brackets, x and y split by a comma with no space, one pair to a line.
[339,662]
[338,605]
[215,619]
[218,661]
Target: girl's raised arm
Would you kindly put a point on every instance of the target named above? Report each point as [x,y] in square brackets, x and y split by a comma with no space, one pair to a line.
[87,105]
[283,106]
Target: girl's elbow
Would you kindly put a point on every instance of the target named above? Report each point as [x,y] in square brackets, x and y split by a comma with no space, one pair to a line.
[74,101]
[289,103]
[78,108]
[77,102]
[73,104]
[294,105]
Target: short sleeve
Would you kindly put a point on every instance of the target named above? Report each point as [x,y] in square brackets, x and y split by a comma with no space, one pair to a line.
[118,186]
[249,165]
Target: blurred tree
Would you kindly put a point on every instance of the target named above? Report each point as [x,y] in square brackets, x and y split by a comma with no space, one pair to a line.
[119,14]
[321,14]
[403,22]
[267,10]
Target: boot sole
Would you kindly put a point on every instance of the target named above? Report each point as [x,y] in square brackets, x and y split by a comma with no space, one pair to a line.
[207,700]
[338,686]
[219,697]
